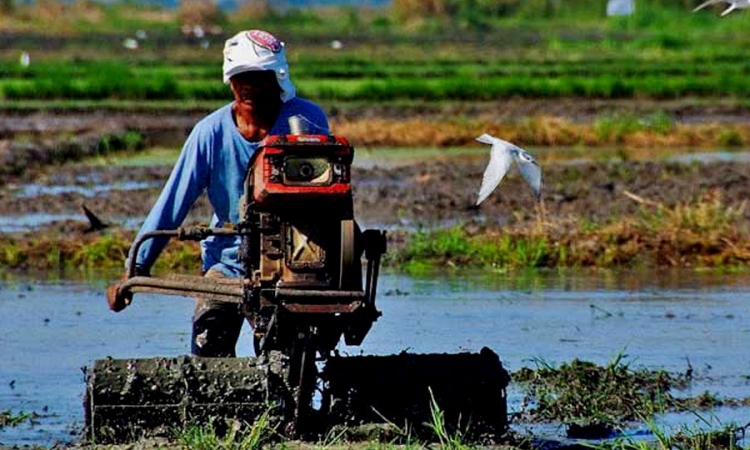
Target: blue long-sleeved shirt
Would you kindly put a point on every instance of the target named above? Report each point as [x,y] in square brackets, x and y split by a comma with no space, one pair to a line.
[214,159]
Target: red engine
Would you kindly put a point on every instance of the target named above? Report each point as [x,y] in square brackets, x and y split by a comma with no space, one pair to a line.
[298,168]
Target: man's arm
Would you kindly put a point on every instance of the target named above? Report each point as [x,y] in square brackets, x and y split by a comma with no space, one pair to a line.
[188,180]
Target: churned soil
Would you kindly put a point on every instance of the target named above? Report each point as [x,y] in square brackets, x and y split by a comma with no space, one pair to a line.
[431,192]
[427,194]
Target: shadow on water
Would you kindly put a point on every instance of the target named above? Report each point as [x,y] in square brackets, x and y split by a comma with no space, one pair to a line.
[662,320]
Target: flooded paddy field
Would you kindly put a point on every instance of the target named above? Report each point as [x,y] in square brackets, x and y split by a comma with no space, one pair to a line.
[676,321]
[660,320]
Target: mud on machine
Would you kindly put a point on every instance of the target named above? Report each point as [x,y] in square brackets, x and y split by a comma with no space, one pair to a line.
[303,291]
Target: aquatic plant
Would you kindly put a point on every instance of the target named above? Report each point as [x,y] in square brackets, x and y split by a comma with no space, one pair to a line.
[9,419]
[581,392]
[725,438]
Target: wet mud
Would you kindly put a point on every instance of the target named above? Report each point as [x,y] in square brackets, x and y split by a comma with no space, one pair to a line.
[128,400]
[469,388]
[435,191]
[428,194]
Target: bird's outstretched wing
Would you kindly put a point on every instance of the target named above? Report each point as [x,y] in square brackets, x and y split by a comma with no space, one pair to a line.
[500,160]
[728,10]
[95,223]
[531,172]
[708,3]
[487,139]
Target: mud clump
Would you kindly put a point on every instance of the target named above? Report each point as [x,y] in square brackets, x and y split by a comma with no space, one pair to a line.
[403,389]
[127,400]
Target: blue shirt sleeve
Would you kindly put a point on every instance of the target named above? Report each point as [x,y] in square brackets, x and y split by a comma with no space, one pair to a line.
[188,180]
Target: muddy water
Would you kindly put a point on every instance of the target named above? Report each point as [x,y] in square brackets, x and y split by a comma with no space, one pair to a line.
[49,330]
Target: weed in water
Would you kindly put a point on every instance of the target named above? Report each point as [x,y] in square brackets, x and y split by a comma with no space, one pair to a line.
[581,392]
[8,419]
[685,439]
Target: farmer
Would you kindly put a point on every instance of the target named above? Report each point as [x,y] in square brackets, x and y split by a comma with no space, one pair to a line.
[214,159]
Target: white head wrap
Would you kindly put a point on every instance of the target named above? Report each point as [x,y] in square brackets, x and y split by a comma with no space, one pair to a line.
[258,50]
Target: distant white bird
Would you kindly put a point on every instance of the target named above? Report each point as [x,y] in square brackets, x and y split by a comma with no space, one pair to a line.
[501,156]
[25,59]
[130,44]
[336,44]
[733,4]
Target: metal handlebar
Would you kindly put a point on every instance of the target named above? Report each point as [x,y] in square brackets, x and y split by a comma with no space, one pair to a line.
[183,234]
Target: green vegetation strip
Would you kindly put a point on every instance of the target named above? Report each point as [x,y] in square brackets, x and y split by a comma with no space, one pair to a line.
[704,233]
[106,251]
[389,81]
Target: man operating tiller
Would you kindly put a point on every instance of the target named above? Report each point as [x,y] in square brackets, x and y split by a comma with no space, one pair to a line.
[214,159]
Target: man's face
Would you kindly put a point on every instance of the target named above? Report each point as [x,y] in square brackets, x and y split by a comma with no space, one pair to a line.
[256,89]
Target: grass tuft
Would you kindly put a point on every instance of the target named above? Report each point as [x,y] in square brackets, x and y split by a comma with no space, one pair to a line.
[446,439]
[239,436]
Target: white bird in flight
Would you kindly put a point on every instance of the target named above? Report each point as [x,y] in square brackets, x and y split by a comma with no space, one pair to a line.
[733,4]
[25,59]
[501,156]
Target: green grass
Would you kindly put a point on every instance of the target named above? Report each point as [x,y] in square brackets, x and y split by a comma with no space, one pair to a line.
[150,157]
[447,440]
[455,247]
[239,436]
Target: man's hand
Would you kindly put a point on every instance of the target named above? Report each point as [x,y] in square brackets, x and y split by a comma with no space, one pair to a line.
[117,299]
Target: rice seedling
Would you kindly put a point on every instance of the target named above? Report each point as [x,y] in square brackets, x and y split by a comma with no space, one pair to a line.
[460,74]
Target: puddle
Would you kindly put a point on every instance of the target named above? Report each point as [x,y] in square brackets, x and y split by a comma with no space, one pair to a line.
[34,190]
[393,157]
[709,157]
[397,157]
[30,222]
[27,222]
[50,330]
